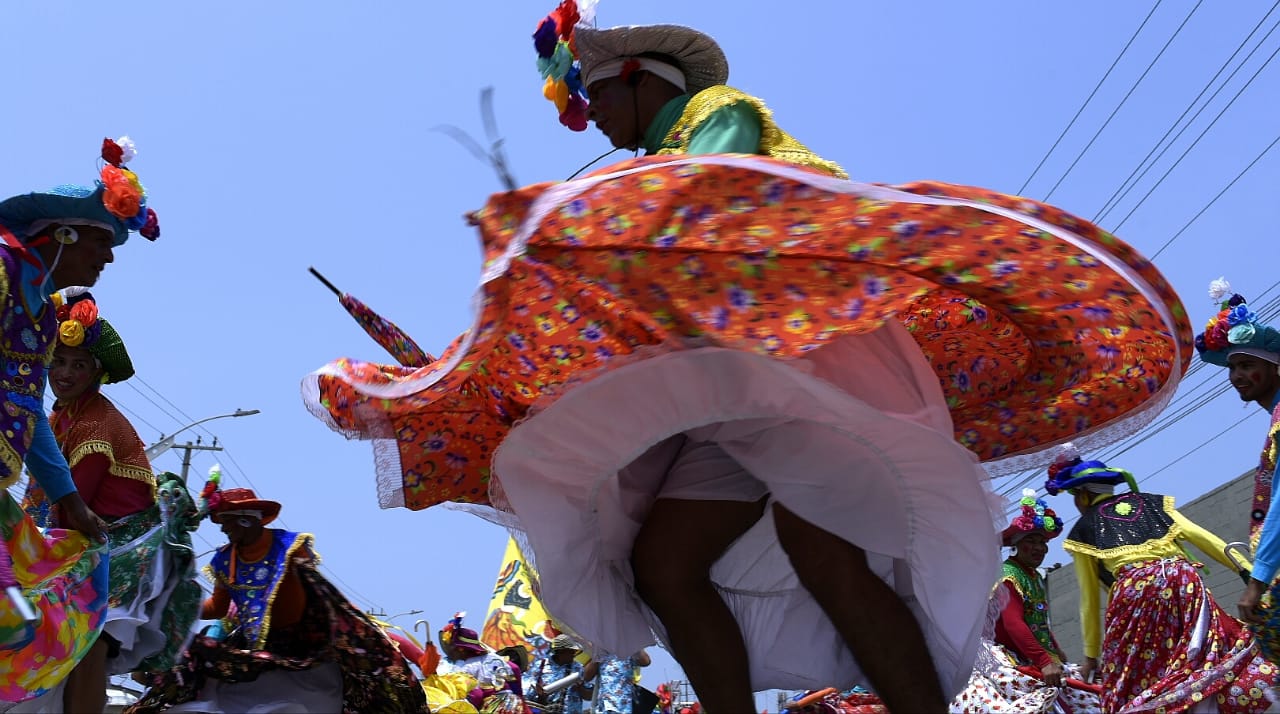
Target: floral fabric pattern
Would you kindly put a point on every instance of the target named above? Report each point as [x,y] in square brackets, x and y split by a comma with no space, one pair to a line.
[65,580]
[615,685]
[1156,657]
[1004,685]
[1034,338]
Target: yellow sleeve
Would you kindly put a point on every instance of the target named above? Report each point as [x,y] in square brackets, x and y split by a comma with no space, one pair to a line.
[1090,613]
[1210,544]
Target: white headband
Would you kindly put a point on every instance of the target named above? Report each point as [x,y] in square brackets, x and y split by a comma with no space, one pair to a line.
[1272,357]
[254,514]
[613,68]
[37,226]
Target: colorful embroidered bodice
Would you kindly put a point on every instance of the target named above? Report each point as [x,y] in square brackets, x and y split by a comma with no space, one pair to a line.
[1035,605]
[26,346]
[253,584]
[774,142]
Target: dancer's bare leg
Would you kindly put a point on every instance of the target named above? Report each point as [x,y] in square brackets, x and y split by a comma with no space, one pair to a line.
[86,688]
[677,545]
[879,629]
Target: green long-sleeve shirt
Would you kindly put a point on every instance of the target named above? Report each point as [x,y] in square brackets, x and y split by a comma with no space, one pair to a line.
[734,129]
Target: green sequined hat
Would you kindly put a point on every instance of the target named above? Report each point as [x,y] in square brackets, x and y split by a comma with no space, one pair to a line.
[80,326]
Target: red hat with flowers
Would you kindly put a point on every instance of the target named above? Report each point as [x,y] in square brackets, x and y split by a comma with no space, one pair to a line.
[219,504]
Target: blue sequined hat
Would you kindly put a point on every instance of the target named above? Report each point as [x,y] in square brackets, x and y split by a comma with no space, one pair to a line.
[1235,330]
[117,202]
[26,214]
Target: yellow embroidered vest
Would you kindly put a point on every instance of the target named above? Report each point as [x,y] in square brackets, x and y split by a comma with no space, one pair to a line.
[774,142]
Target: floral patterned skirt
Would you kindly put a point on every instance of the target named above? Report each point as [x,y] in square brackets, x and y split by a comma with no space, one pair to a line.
[1000,684]
[1037,325]
[1168,646]
[64,580]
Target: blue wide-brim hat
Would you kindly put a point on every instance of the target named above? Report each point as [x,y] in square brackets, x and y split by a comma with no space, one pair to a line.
[1263,342]
[75,205]
[1235,329]
[1074,475]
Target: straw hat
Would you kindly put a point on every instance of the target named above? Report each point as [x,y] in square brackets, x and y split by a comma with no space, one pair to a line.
[699,57]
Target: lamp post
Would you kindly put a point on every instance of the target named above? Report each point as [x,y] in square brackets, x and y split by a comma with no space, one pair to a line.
[167,442]
[389,618]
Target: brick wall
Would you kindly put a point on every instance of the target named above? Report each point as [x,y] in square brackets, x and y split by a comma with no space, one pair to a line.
[1223,511]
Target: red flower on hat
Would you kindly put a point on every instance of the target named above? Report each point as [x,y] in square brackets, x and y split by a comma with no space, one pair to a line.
[63,313]
[1215,338]
[111,152]
[85,312]
[121,197]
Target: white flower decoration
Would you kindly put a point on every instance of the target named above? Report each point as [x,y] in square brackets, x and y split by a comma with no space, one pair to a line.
[1219,289]
[1028,493]
[128,149]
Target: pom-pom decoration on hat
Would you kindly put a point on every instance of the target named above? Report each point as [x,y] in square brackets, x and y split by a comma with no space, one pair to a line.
[1066,456]
[211,494]
[124,195]
[451,627]
[1235,329]
[558,62]
[1035,516]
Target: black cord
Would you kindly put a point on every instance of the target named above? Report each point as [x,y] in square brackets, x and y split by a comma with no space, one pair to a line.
[590,164]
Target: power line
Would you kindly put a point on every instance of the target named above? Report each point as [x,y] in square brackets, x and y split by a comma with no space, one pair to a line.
[1125,186]
[1201,212]
[1124,99]
[1197,141]
[1089,99]
[347,588]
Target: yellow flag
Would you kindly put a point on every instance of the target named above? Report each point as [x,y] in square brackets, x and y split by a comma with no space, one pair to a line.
[516,616]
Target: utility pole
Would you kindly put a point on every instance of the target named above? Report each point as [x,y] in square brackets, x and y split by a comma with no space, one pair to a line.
[188,447]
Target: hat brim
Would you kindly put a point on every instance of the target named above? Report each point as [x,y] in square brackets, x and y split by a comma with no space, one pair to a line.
[270,509]
[1008,536]
[64,203]
[699,56]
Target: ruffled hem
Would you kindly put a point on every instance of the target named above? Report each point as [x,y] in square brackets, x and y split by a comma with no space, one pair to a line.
[869,458]
[1040,327]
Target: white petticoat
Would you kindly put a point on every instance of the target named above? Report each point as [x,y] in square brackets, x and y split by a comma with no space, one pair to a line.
[855,437]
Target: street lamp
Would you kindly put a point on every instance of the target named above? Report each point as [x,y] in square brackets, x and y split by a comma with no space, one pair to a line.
[167,442]
[388,618]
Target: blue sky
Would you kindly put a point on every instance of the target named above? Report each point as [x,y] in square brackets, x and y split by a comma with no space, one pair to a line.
[274,136]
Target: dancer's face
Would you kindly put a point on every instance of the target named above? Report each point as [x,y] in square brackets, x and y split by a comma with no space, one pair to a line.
[1031,550]
[614,107]
[240,530]
[1255,379]
[81,262]
[73,372]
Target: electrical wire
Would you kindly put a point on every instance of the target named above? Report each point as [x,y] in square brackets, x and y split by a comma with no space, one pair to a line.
[1116,61]
[1125,99]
